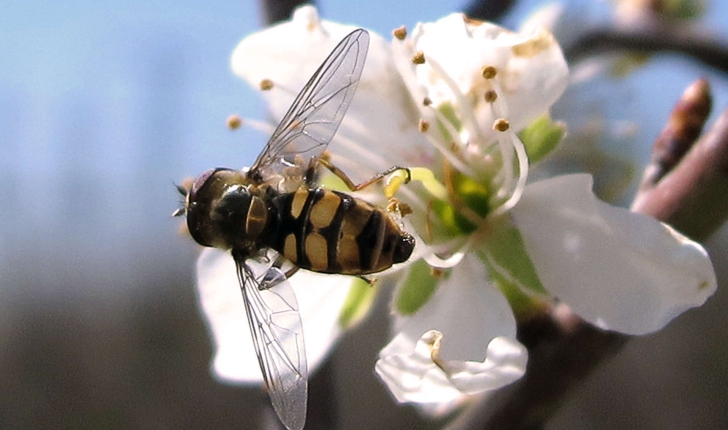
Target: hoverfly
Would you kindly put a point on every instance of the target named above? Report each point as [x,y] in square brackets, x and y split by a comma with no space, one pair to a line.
[272,214]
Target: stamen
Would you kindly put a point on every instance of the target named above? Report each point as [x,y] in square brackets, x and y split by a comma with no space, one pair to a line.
[266,84]
[491,96]
[449,155]
[444,263]
[234,122]
[488,72]
[435,345]
[418,58]
[468,116]
[400,33]
[522,157]
[261,126]
[423,126]
[426,101]
[501,125]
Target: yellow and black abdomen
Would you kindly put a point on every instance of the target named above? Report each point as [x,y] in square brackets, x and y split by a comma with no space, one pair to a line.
[332,232]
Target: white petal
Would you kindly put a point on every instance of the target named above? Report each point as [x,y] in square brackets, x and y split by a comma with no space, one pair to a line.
[470,313]
[532,71]
[320,298]
[617,269]
[414,377]
[380,128]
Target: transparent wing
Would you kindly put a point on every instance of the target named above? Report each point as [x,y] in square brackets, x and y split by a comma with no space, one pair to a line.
[277,334]
[317,111]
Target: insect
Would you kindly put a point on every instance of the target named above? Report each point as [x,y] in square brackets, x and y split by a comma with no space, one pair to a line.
[272,215]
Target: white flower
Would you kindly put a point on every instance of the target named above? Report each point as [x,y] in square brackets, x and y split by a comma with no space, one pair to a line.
[287,54]
[476,216]
[618,270]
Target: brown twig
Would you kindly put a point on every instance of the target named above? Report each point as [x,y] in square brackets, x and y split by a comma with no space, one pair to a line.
[689,192]
[279,10]
[647,39]
[488,10]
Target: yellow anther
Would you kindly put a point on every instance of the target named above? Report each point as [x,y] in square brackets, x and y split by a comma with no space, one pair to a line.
[489,72]
[423,126]
[394,181]
[266,84]
[501,125]
[419,58]
[234,122]
[400,33]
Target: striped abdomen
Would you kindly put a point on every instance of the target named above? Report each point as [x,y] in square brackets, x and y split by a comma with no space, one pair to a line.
[332,232]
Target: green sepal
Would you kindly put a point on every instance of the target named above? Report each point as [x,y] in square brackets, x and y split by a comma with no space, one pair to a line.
[454,223]
[505,249]
[357,303]
[416,289]
[474,194]
[471,193]
[524,306]
[541,137]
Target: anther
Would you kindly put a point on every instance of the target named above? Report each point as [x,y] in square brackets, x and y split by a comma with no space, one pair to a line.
[234,122]
[423,126]
[266,84]
[426,101]
[488,72]
[419,58]
[400,33]
[501,125]
[491,96]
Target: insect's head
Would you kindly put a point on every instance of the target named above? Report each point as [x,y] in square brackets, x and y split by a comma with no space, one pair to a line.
[204,199]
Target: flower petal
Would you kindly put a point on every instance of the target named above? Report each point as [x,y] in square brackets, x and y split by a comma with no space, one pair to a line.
[319,296]
[617,269]
[470,314]
[416,378]
[380,113]
[531,68]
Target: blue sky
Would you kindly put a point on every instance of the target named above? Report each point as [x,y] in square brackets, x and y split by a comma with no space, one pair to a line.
[103,105]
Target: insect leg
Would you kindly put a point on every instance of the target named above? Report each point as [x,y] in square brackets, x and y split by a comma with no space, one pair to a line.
[280,261]
[315,161]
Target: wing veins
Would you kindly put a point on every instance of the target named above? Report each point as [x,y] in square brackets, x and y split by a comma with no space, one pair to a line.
[334,82]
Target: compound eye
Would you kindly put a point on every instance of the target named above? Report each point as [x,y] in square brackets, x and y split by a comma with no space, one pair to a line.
[202,193]
[200,183]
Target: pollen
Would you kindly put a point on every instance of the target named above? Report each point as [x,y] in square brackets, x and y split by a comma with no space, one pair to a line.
[419,58]
[501,124]
[234,122]
[491,96]
[400,33]
[266,84]
[423,126]
[488,72]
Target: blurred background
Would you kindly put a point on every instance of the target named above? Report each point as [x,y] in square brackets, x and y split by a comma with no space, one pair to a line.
[104,105]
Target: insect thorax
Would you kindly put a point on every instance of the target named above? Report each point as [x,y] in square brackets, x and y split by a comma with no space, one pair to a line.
[225,210]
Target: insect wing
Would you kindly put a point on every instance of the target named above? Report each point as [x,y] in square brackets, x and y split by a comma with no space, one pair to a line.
[276,329]
[316,113]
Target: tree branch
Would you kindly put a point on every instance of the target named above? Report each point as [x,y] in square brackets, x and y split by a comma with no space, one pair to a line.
[650,38]
[279,10]
[488,10]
